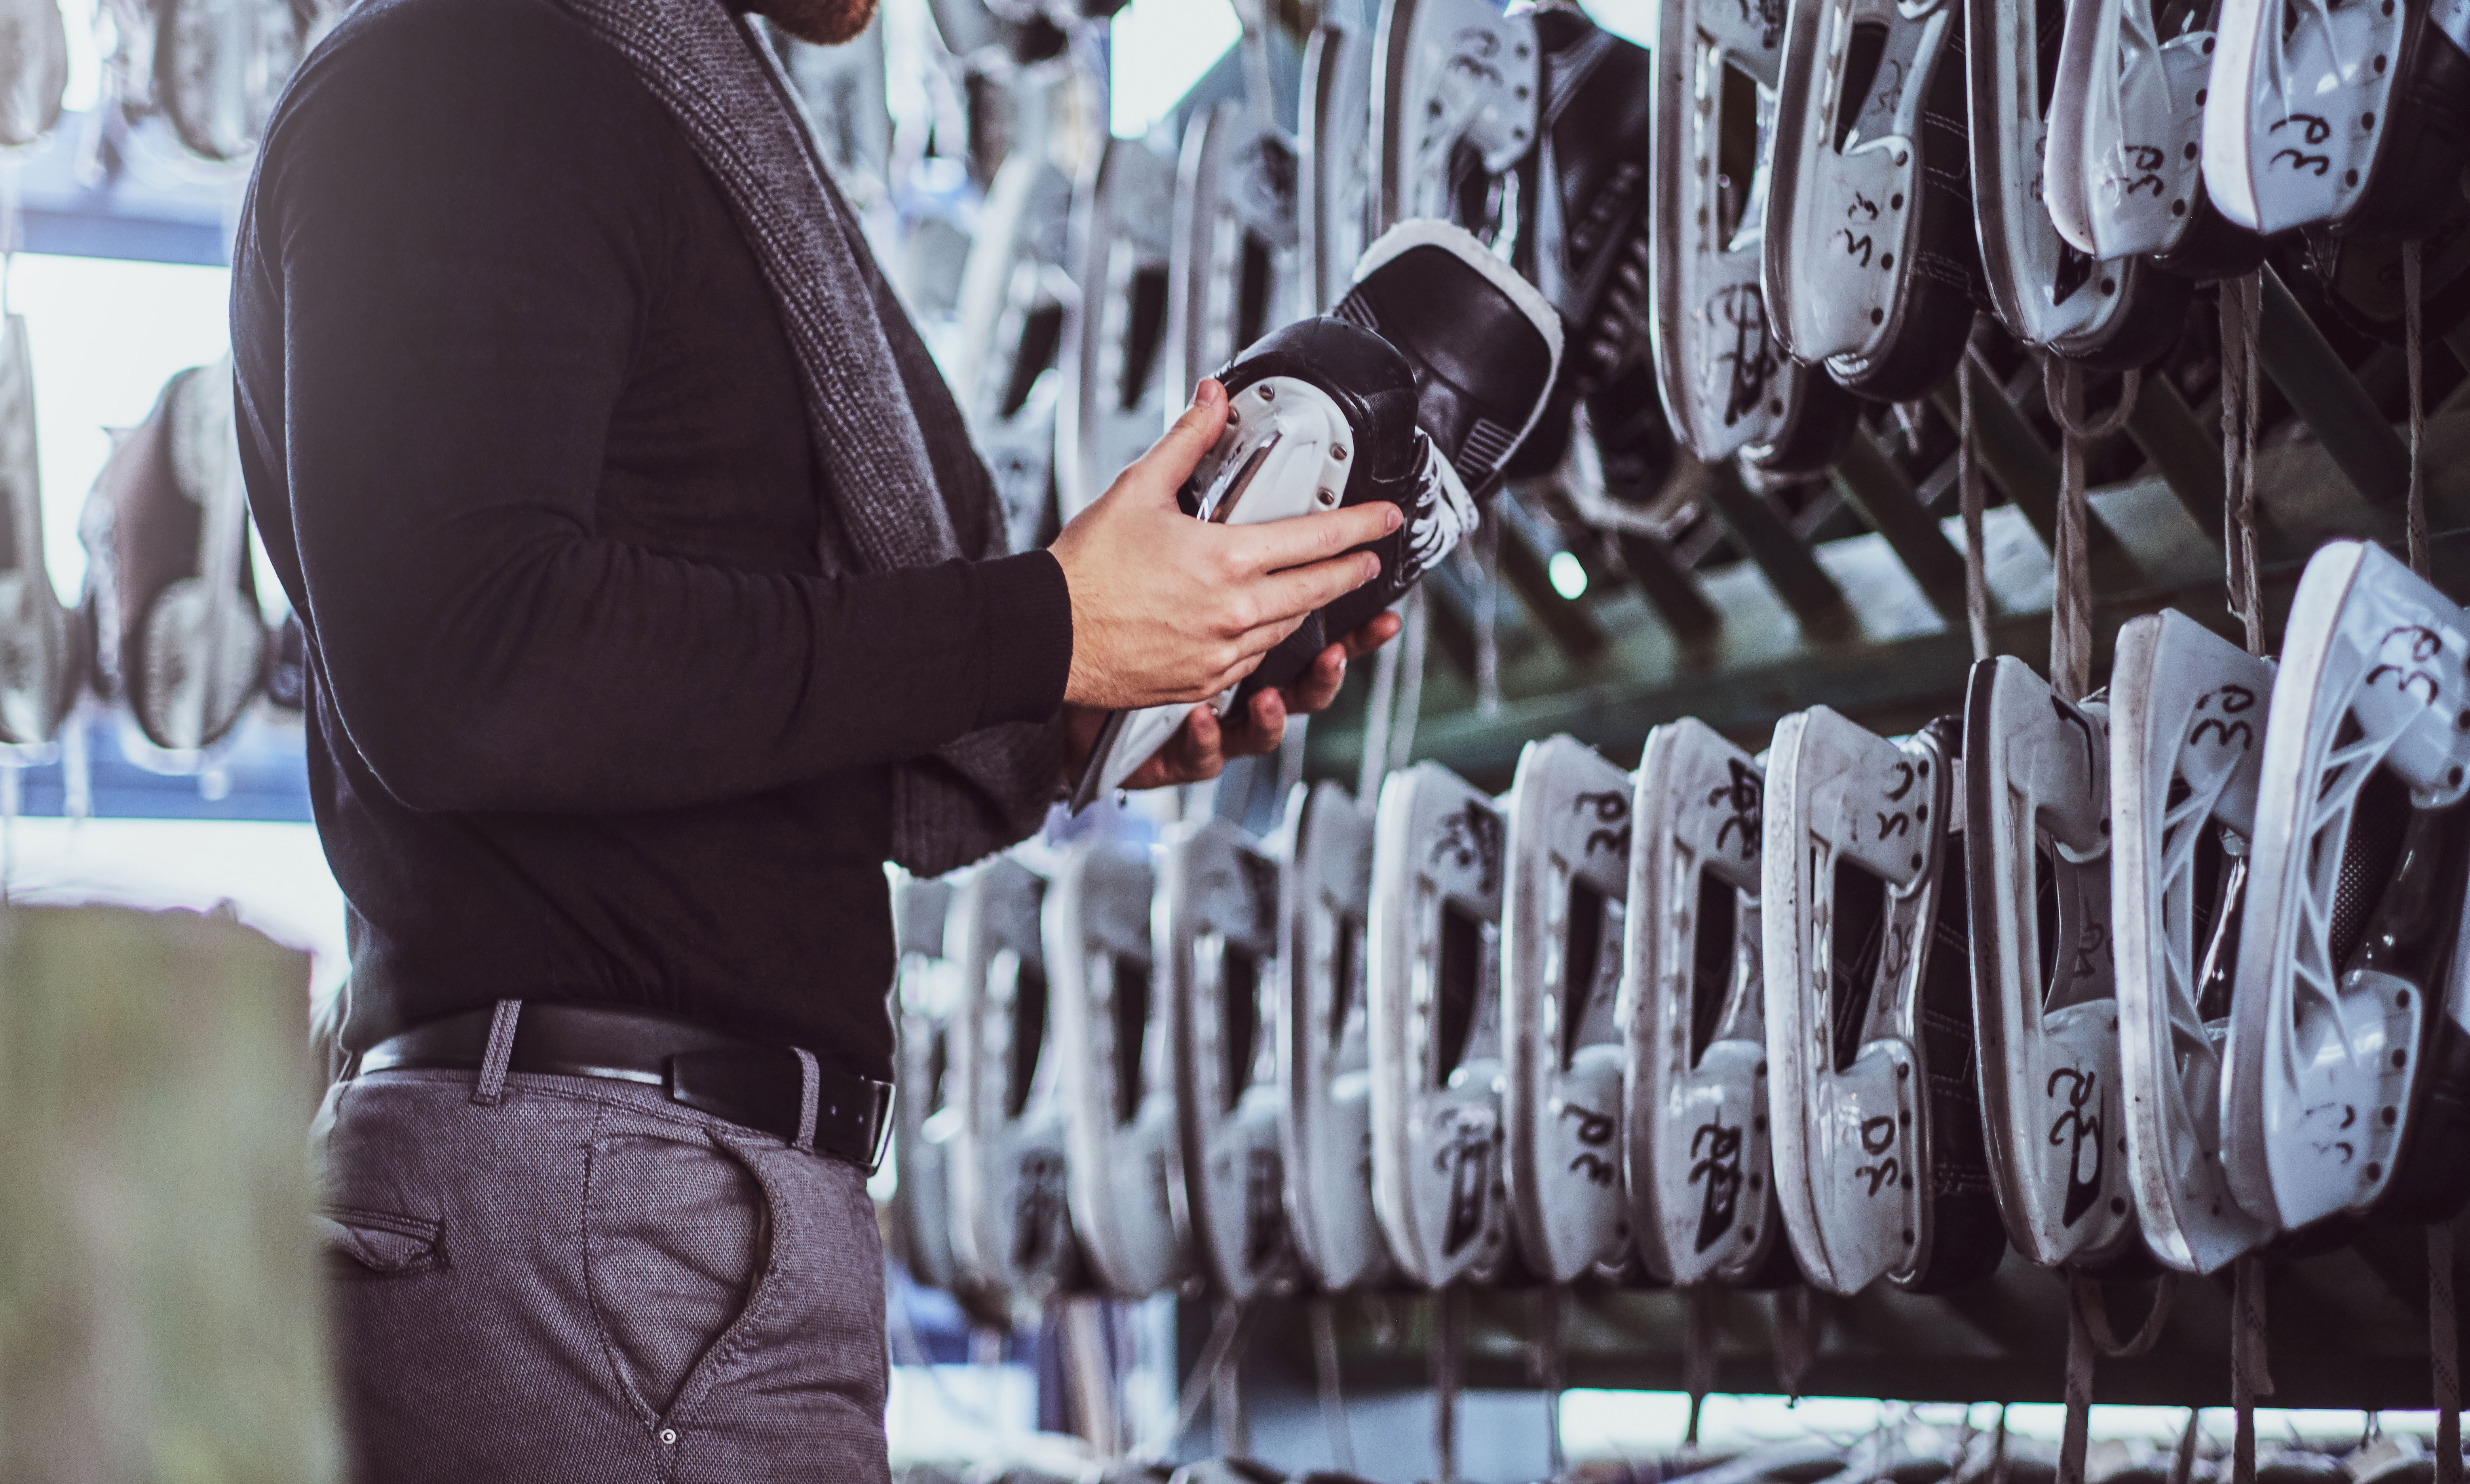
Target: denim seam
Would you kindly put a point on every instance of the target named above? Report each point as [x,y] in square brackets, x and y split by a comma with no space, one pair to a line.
[761,1299]
[624,1385]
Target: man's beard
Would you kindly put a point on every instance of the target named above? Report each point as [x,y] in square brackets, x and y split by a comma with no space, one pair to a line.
[823,22]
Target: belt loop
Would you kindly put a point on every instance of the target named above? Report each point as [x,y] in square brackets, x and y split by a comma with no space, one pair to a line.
[810,1096]
[489,1089]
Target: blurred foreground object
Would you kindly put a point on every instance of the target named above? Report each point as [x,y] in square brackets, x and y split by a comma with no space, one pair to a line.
[160,1278]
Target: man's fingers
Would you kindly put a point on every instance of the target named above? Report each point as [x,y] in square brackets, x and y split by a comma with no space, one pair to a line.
[1278,545]
[1376,632]
[1173,458]
[1303,589]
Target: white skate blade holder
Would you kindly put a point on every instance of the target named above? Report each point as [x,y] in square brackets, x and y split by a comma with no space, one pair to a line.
[1562,923]
[1011,1226]
[2298,89]
[2037,771]
[1324,1036]
[2126,121]
[1285,453]
[1700,1173]
[1446,72]
[1842,804]
[1115,1084]
[2186,714]
[2322,1060]
[1721,373]
[925,995]
[1437,1184]
[1216,926]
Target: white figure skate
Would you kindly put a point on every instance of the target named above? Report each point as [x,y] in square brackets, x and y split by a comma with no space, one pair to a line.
[1114,362]
[2186,739]
[1454,84]
[41,659]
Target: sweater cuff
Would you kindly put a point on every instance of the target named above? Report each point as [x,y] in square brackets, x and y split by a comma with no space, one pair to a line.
[1025,608]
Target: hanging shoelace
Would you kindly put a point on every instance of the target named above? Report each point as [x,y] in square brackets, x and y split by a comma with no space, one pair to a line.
[2071,606]
[1488,618]
[2412,265]
[1550,1363]
[1699,1352]
[1332,1401]
[2443,1335]
[2242,308]
[2249,1377]
[1797,1325]
[1449,1339]
[2089,1336]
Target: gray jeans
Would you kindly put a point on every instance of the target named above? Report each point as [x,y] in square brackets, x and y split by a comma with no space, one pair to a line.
[585,1281]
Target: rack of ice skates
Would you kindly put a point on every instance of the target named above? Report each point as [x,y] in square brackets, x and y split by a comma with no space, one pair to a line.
[1917,849]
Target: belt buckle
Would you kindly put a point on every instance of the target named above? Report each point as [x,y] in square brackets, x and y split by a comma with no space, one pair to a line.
[882,1130]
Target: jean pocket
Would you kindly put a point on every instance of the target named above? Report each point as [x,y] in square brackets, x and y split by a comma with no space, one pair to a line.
[675,1235]
[381,1243]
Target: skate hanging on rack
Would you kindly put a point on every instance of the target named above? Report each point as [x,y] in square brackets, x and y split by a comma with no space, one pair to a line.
[1015,294]
[1114,391]
[1012,1229]
[1454,90]
[925,986]
[2116,314]
[1869,255]
[1324,1031]
[1334,196]
[1695,1142]
[2125,169]
[2186,739]
[1437,1178]
[1564,892]
[1723,374]
[42,652]
[1880,1165]
[1114,1070]
[1218,937]
[1233,276]
[2045,1009]
[2348,1065]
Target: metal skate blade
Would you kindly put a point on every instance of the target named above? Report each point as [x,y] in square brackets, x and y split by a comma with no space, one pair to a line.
[1563,904]
[1437,1182]
[1218,925]
[1116,1082]
[1695,1052]
[2186,716]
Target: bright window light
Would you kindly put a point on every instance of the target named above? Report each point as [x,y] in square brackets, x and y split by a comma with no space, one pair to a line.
[1569,575]
[1159,48]
[104,335]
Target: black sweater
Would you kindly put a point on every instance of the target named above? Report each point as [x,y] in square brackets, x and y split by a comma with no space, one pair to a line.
[523,434]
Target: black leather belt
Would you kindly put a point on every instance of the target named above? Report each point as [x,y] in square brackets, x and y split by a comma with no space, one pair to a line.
[744,1082]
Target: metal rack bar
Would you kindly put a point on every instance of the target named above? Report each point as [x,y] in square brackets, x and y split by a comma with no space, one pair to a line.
[2329,398]
[1877,486]
[1790,567]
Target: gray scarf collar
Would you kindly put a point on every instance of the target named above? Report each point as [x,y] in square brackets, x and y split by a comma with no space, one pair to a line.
[895,454]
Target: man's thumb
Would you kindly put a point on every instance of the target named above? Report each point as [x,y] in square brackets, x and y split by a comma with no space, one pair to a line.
[1175,456]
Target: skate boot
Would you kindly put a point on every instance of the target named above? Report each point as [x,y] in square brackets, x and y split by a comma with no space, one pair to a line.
[1324,1050]
[2186,739]
[1563,909]
[1011,1230]
[1695,1052]
[1218,932]
[2045,1008]
[1438,1181]
[2116,313]
[2348,1078]
[1880,1166]
[1115,1071]
[1323,415]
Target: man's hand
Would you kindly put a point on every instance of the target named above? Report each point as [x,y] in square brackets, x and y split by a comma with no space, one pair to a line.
[1201,750]
[1169,609]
